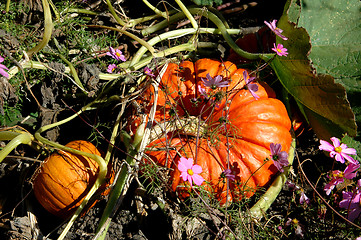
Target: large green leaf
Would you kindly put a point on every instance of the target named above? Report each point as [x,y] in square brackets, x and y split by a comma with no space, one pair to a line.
[335,31]
[323,102]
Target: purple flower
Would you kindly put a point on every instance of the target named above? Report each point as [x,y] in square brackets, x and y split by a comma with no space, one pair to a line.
[111,68]
[296,224]
[228,174]
[2,68]
[116,54]
[293,187]
[304,198]
[148,72]
[280,50]
[338,177]
[203,92]
[338,150]
[214,83]
[275,29]
[280,158]
[252,87]
[351,202]
[190,172]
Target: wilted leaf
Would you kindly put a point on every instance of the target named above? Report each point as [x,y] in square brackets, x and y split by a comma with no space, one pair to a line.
[323,102]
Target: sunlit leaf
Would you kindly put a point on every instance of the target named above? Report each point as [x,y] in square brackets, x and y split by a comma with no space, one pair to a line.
[334,28]
[322,100]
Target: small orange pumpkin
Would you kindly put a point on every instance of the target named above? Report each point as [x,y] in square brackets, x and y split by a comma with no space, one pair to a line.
[243,144]
[64,179]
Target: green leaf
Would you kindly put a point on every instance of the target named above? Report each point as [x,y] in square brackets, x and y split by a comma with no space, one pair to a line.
[208,2]
[334,28]
[351,143]
[322,101]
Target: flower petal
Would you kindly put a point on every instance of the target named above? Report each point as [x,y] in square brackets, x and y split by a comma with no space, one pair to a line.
[326,146]
[198,180]
[348,158]
[184,175]
[350,151]
[336,142]
[184,165]
[197,169]
[339,158]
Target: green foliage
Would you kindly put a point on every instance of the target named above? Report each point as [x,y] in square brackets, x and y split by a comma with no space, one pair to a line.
[207,2]
[350,142]
[322,100]
[335,32]
[12,115]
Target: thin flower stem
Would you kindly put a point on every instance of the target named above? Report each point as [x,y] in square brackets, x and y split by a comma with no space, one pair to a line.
[320,196]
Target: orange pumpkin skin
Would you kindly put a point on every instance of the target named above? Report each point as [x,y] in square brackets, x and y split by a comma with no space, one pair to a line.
[252,126]
[64,179]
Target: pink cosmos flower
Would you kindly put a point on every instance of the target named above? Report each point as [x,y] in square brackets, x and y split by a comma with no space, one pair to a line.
[280,158]
[214,83]
[189,171]
[252,87]
[275,29]
[351,202]
[2,68]
[280,50]
[148,72]
[338,177]
[116,54]
[111,68]
[338,150]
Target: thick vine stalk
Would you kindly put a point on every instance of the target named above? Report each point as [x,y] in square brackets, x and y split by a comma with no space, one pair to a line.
[135,151]
[258,210]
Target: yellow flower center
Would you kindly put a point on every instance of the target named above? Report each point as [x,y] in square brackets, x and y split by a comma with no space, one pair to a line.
[118,54]
[338,175]
[338,149]
[190,172]
[295,221]
[278,50]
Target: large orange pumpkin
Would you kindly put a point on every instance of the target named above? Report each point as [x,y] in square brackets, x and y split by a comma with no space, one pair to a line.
[235,134]
[64,179]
